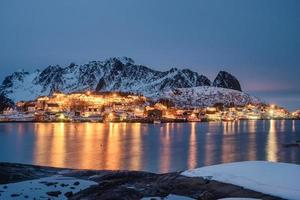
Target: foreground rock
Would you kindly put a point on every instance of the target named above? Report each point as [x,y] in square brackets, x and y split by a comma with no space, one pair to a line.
[131,184]
[11,173]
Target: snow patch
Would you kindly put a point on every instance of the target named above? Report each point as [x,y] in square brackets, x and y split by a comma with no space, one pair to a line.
[38,188]
[277,179]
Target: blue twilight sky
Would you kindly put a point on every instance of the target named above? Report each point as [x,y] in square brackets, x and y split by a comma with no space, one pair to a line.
[256,40]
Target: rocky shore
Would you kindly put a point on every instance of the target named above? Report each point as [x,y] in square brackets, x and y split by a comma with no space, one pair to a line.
[129,185]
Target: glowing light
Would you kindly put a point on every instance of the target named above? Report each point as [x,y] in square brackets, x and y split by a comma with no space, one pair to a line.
[110,116]
[254,117]
[61,117]
[193,115]
[271,112]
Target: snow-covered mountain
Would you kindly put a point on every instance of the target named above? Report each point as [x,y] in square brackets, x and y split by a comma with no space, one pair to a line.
[113,74]
[203,96]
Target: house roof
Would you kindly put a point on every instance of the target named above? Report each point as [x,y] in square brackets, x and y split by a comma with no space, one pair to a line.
[52,105]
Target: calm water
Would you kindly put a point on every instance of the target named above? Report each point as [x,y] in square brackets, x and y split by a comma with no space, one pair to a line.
[151,147]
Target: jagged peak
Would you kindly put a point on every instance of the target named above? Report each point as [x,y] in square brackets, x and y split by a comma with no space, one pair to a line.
[124,60]
[223,72]
[173,69]
[187,70]
[14,76]
[52,68]
[225,79]
[72,64]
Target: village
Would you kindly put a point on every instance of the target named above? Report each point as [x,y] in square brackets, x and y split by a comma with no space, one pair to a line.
[128,107]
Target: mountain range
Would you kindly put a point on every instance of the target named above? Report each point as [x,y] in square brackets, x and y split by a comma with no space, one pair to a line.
[113,74]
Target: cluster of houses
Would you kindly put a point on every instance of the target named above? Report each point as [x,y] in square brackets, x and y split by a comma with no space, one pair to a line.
[128,107]
[79,106]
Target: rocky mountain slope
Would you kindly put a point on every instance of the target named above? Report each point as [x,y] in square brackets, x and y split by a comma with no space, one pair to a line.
[5,102]
[113,74]
[208,96]
[226,80]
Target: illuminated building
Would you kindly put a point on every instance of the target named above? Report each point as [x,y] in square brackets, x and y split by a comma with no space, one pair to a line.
[128,107]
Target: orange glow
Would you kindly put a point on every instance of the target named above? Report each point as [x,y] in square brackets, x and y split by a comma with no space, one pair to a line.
[61,117]
[136,161]
[165,153]
[99,142]
[192,157]
[50,150]
[271,143]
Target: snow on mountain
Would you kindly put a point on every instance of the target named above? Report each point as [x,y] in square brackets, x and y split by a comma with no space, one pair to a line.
[114,74]
[122,74]
[20,86]
[140,79]
[207,96]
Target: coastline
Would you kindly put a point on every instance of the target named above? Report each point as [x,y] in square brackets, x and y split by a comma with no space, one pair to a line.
[143,121]
[126,184]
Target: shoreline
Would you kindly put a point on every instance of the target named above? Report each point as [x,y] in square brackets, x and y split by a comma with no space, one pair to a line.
[119,184]
[142,122]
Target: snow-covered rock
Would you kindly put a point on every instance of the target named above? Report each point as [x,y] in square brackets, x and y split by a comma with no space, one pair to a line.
[208,96]
[122,74]
[38,188]
[114,74]
[277,179]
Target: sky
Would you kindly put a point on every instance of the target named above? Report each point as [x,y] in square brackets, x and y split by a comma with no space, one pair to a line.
[258,41]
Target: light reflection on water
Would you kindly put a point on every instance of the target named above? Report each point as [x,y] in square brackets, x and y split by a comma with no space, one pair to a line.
[272,142]
[192,155]
[150,147]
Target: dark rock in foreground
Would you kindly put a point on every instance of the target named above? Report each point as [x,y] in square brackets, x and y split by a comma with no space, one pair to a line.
[135,185]
[131,184]
[54,193]
[10,172]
